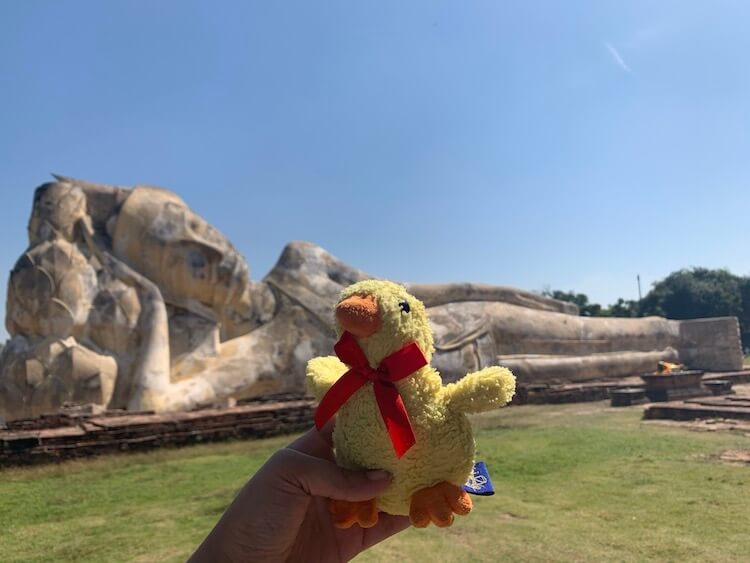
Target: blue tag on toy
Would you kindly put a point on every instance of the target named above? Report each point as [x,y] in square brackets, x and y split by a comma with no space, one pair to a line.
[480,483]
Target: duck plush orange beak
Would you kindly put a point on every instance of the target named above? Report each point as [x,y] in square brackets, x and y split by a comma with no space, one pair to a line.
[359,315]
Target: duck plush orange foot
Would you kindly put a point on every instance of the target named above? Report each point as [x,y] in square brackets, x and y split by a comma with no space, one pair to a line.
[392,410]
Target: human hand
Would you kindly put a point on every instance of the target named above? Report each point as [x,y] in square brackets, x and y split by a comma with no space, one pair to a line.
[281,513]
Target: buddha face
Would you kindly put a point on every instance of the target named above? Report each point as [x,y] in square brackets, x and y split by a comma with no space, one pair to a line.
[194,265]
[201,271]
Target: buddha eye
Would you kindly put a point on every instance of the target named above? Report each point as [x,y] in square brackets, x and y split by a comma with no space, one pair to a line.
[404,306]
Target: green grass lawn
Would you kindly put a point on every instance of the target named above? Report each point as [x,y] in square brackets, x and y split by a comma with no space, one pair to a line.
[578,482]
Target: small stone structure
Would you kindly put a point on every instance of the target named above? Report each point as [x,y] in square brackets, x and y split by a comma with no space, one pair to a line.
[730,407]
[681,384]
[627,396]
[128,299]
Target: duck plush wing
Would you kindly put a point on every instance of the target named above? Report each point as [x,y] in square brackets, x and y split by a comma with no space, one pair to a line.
[483,390]
[322,372]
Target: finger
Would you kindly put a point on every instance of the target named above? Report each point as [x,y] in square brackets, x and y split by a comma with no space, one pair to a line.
[317,443]
[327,431]
[319,477]
[388,524]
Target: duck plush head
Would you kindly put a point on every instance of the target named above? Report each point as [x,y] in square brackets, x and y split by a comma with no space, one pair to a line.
[393,411]
[383,317]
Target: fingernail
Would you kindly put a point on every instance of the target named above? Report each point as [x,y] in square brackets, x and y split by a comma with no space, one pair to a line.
[377,475]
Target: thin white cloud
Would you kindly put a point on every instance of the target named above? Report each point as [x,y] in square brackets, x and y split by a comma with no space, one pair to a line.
[617,57]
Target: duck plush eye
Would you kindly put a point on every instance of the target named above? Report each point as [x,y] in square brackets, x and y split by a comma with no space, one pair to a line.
[404,306]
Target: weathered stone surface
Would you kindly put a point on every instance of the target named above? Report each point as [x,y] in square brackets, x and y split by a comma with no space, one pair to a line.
[195,267]
[61,437]
[40,375]
[443,293]
[50,291]
[711,344]
[129,299]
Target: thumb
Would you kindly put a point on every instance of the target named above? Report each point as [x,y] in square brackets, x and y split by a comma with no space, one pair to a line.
[319,477]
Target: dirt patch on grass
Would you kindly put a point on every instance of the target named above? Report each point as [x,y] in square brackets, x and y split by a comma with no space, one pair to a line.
[508,517]
[736,456]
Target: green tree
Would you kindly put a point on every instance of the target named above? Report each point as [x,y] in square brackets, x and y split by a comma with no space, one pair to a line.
[745,318]
[698,293]
[685,294]
[693,294]
[585,307]
[623,308]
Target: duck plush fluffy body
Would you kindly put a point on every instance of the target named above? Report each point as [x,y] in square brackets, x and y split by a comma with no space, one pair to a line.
[428,477]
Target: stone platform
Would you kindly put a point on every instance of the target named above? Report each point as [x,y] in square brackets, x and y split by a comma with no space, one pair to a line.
[64,436]
[602,389]
[733,407]
[77,434]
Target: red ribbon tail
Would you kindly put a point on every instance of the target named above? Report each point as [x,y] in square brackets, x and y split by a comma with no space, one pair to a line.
[396,418]
[336,396]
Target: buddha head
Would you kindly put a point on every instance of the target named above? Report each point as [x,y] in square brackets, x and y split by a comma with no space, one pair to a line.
[194,265]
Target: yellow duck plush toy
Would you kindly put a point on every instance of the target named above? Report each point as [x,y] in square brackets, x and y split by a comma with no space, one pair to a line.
[392,410]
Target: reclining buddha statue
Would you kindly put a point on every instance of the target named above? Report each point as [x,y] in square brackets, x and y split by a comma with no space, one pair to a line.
[128,299]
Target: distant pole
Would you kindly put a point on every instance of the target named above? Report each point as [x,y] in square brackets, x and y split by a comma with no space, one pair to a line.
[638,277]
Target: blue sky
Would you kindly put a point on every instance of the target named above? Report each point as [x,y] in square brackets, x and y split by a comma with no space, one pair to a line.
[569,145]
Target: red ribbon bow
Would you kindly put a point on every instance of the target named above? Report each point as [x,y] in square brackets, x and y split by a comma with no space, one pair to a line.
[395,367]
